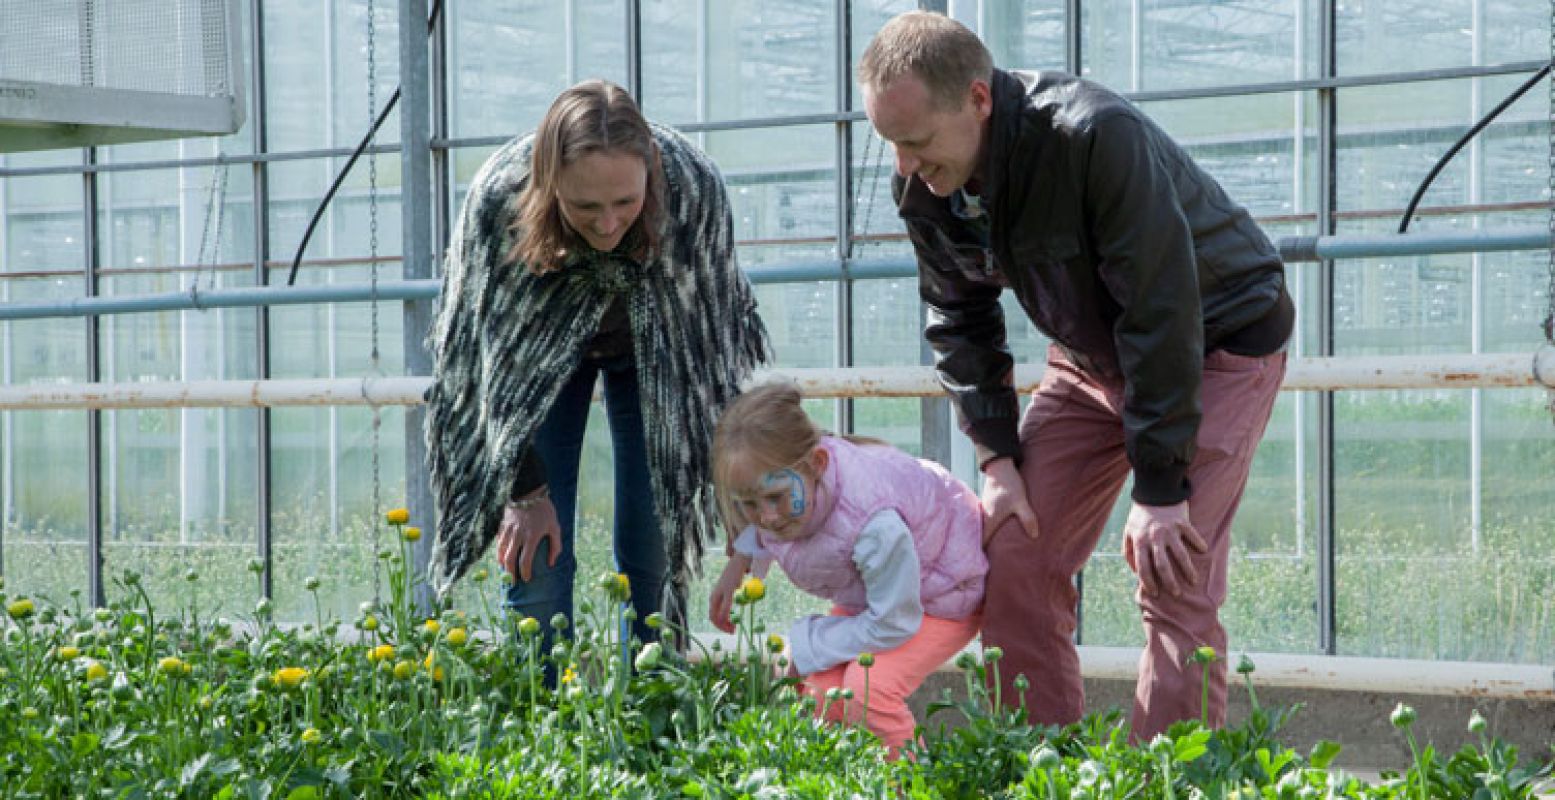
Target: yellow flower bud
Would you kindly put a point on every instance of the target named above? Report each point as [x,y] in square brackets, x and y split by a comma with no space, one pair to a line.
[433,626]
[404,670]
[457,637]
[382,652]
[67,653]
[311,736]
[288,677]
[411,533]
[172,666]
[95,671]
[397,516]
[20,609]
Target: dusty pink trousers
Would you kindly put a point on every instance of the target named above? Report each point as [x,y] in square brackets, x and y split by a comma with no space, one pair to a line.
[895,675]
[1074,466]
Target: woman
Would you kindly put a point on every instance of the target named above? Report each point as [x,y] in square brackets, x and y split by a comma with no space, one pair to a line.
[598,245]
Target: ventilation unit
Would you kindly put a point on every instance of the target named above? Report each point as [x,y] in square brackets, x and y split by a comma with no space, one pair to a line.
[90,72]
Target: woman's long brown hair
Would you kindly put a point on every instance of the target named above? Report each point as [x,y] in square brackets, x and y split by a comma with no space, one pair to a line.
[594,116]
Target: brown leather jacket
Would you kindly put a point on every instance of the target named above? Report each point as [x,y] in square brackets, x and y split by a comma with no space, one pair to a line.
[1117,245]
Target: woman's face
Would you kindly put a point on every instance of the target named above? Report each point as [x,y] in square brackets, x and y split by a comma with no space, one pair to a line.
[601,195]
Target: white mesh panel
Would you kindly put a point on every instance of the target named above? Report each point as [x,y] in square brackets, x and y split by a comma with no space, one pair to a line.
[169,46]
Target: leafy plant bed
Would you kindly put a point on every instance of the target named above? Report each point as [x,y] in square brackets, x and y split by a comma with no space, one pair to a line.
[130,701]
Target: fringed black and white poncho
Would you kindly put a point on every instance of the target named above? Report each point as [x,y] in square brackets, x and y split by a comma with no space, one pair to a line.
[505,340]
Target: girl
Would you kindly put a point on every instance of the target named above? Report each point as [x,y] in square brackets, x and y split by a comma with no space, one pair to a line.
[894,542]
[599,246]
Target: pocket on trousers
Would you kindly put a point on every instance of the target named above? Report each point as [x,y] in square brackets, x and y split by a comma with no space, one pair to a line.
[1234,401]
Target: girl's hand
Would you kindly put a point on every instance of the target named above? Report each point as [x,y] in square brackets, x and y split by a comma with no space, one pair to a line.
[525,524]
[721,602]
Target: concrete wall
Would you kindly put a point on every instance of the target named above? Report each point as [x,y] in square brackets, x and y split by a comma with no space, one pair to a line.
[1358,720]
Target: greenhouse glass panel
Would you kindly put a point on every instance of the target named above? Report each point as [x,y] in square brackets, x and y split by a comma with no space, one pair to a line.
[1025,34]
[508,60]
[783,54]
[781,182]
[43,465]
[316,92]
[1132,46]
[1402,35]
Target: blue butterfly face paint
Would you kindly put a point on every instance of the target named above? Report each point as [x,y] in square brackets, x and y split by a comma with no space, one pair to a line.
[777,503]
[793,482]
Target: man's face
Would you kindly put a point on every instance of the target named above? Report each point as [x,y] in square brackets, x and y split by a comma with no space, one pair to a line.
[941,147]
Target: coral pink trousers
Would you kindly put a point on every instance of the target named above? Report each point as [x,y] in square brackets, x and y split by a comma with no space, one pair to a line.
[880,700]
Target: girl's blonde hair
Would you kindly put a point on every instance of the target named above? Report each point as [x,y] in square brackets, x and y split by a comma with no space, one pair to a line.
[765,428]
[594,116]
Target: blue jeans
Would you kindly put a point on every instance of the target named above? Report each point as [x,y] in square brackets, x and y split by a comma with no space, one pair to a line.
[639,544]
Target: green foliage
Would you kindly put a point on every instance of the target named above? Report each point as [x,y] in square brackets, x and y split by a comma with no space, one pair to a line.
[132,700]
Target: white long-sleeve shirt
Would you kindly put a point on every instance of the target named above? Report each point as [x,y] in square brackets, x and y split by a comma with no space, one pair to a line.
[887,560]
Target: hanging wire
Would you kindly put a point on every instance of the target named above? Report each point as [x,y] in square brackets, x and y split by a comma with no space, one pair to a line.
[334,186]
[1409,211]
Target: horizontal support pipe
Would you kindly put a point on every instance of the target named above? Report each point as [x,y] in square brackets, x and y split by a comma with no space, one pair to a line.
[248,297]
[1483,240]
[1292,248]
[1499,370]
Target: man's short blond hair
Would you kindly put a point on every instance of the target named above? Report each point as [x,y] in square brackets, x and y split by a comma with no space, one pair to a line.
[941,52]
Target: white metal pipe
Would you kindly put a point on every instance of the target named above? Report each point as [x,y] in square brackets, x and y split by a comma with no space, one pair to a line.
[1498,370]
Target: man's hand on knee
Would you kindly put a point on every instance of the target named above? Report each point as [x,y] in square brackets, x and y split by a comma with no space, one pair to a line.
[1004,496]
[1156,541]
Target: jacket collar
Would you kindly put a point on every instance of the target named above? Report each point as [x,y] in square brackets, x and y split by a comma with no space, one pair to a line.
[999,136]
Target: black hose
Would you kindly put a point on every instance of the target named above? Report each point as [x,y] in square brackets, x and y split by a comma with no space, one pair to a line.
[1409,212]
[361,147]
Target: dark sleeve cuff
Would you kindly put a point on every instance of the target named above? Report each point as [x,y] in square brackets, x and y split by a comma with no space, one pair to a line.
[1166,486]
[531,475]
[995,438]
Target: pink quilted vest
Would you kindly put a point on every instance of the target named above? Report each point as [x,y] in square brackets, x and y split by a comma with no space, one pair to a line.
[942,513]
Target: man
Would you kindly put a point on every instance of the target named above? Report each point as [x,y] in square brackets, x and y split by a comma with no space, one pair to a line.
[1169,316]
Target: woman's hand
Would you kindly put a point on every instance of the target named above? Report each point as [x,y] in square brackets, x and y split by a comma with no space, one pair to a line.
[721,602]
[525,524]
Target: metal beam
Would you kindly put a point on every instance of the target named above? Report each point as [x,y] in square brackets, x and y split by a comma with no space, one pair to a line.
[1490,371]
[416,214]
[1292,248]
[1323,306]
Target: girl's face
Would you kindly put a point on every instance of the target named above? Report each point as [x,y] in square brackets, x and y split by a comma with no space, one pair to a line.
[782,500]
[601,195]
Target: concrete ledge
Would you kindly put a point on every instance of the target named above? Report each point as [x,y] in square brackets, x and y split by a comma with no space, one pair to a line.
[1349,701]
[1531,682]
[1344,699]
